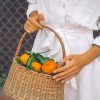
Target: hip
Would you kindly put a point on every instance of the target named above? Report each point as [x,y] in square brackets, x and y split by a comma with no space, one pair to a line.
[76,40]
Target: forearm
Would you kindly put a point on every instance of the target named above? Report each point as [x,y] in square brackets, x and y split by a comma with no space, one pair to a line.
[91,54]
[96,50]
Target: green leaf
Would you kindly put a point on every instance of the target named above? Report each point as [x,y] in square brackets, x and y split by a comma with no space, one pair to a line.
[31,68]
[40,58]
[29,61]
[18,61]
[44,60]
[28,52]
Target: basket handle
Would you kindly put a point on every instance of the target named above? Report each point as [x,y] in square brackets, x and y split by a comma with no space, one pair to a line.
[46,27]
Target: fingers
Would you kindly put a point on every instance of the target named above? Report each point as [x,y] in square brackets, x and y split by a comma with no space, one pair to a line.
[34,22]
[29,27]
[41,18]
[69,78]
[64,73]
[66,67]
[64,78]
[67,58]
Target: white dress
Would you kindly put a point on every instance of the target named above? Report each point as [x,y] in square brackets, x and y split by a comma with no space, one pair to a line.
[75,21]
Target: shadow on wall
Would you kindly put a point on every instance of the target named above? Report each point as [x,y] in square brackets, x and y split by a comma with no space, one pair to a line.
[12,18]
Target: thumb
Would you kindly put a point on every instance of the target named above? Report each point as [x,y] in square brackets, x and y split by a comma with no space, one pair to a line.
[41,18]
[69,57]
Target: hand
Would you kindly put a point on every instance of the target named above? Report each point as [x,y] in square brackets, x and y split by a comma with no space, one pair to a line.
[75,65]
[5,98]
[34,23]
[70,70]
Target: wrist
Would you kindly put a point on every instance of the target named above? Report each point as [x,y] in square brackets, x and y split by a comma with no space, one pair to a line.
[91,54]
[96,50]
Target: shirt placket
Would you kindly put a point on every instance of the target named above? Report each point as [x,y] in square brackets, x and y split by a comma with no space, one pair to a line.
[64,8]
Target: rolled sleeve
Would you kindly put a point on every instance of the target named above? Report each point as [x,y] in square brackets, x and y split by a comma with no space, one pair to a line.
[31,7]
[97,41]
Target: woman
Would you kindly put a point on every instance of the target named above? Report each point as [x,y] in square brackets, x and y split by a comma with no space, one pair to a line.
[75,21]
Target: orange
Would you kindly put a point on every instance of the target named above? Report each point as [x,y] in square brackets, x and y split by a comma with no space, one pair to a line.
[36,66]
[49,66]
[24,58]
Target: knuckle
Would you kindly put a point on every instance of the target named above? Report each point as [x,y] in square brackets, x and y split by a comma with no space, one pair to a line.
[65,67]
[60,75]
[31,19]
[36,17]
[61,69]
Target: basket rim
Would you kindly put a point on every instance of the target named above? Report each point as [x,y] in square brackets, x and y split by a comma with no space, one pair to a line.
[32,71]
[60,39]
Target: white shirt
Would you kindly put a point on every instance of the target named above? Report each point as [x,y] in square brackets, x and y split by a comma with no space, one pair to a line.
[81,16]
[59,13]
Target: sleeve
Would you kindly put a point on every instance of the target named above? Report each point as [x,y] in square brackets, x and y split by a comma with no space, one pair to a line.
[97,41]
[31,7]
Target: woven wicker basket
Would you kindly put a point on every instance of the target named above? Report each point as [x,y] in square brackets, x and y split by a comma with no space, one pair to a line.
[23,84]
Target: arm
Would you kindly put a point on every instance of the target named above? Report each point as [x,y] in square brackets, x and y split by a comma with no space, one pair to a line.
[76,63]
[34,18]
[92,53]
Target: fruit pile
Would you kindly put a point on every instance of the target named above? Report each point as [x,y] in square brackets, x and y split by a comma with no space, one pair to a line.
[37,62]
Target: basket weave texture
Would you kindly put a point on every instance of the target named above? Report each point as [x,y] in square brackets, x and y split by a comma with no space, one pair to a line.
[23,84]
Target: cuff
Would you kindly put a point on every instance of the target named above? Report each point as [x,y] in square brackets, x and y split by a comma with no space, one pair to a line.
[97,41]
[31,7]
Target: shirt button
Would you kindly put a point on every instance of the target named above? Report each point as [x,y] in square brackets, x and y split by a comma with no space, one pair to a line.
[64,6]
